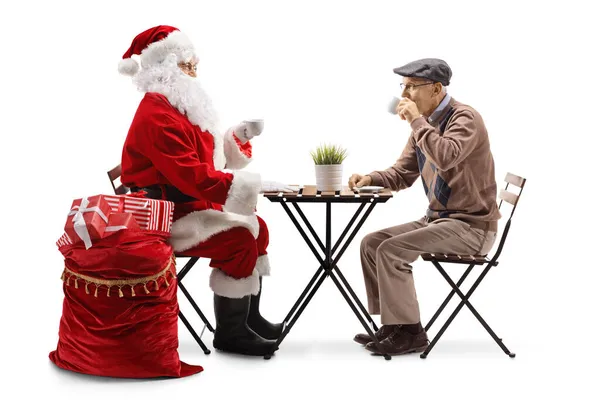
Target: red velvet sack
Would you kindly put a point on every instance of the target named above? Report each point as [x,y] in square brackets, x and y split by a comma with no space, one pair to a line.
[120,310]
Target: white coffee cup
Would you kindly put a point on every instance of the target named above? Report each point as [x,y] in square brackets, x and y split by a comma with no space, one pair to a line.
[393,104]
[254,126]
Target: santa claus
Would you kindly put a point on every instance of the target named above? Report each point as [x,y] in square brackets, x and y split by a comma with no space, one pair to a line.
[174,151]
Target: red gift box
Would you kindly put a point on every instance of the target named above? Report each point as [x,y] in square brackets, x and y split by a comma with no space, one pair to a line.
[64,240]
[118,221]
[87,219]
[95,215]
[150,214]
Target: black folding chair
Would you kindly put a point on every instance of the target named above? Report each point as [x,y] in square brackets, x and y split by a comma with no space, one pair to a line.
[437,259]
[120,189]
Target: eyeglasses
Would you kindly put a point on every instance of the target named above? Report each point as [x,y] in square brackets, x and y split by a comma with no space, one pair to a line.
[410,86]
[189,66]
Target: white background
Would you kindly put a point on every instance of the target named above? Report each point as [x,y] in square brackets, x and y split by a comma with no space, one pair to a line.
[318,72]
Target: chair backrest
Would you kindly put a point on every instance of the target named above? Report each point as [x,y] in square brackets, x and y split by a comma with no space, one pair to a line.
[113,175]
[509,197]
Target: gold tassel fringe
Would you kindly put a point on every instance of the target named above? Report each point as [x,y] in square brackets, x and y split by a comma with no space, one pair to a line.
[67,274]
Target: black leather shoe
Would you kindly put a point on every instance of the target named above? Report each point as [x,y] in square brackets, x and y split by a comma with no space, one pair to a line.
[381,334]
[400,342]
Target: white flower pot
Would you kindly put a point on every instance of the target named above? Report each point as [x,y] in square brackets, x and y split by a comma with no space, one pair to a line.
[329,177]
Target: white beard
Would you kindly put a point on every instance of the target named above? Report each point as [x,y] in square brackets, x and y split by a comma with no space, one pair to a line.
[186,95]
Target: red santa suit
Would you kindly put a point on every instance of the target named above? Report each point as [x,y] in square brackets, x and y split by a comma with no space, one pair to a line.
[174,144]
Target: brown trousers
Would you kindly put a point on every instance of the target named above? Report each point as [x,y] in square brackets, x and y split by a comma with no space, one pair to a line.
[386,256]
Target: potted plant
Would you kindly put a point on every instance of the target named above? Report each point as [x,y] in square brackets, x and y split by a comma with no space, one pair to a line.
[328,161]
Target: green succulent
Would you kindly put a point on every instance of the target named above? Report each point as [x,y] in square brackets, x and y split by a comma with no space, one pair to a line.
[327,154]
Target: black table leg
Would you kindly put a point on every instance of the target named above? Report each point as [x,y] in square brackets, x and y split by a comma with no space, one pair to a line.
[304,302]
[333,264]
[308,293]
[345,245]
[328,267]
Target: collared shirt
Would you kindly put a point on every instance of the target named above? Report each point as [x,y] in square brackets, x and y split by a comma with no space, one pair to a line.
[436,113]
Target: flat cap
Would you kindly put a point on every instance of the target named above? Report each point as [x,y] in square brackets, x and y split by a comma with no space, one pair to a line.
[427,68]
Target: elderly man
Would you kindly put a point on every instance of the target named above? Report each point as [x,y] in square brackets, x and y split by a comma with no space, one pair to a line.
[175,151]
[450,150]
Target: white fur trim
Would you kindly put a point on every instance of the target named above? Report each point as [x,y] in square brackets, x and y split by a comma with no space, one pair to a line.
[243,193]
[128,66]
[219,158]
[236,159]
[199,226]
[175,43]
[228,286]
[263,266]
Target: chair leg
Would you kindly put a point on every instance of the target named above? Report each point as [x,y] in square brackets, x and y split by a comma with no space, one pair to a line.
[465,301]
[180,275]
[187,267]
[195,306]
[194,334]
[448,298]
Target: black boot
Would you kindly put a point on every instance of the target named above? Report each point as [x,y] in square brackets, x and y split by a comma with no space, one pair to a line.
[257,323]
[232,333]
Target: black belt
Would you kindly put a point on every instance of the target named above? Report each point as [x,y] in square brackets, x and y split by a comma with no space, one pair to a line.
[164,192]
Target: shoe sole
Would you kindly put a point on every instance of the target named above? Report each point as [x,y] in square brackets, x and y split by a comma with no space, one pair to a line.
[369,340]
[360,342]
[417,350]
[244,352]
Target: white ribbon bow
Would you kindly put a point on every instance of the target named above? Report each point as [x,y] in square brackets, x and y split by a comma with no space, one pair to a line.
[79,221]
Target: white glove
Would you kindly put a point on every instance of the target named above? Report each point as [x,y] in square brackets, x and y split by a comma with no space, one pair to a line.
[247,130]
[273,186]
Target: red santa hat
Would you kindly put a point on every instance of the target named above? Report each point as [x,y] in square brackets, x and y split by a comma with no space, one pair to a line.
[154,45]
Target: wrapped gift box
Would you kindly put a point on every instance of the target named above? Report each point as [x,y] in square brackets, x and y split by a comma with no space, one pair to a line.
[87,219]
[118,221]
[64,240]
[150,214]
[94,217]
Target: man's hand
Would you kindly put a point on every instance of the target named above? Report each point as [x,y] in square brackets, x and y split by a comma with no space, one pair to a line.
[407,110]
[273,186]
[357,180]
